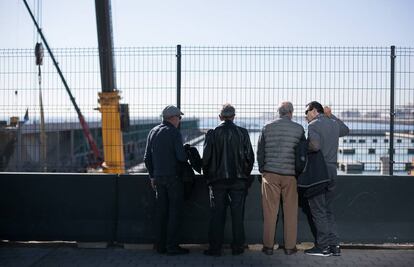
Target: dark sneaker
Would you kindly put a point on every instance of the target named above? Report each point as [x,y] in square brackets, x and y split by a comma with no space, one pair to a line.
[335,250]
[177,251]
[267,251]
[212,252]
[290,251]
[317,251]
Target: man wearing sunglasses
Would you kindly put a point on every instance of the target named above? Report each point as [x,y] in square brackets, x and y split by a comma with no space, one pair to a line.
[164,153]
[324,130]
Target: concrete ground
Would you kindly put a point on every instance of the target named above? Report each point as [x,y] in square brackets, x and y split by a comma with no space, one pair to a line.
[69,254]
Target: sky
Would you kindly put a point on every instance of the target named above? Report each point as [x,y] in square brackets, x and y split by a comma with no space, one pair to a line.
[137,23]
[71,23]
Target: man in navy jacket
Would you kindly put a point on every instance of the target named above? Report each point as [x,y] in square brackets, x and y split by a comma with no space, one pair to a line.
[164,153]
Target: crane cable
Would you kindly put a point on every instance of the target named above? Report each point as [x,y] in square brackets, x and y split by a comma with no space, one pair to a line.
[39,51]
[39,54]
[38,10]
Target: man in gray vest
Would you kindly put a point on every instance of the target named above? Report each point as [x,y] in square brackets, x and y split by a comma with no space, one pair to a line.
[276,158]
[324,131]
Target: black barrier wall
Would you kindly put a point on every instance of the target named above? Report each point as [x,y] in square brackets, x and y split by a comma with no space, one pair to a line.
[48,206]
[96,207]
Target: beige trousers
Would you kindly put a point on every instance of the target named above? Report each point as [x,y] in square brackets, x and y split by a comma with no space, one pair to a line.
[275,186]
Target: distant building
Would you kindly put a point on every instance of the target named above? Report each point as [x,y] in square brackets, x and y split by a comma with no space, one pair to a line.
[372,114]
[350,114]
[405,112]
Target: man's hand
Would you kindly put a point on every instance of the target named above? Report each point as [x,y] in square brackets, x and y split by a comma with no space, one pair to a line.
[327,111]
[154,187]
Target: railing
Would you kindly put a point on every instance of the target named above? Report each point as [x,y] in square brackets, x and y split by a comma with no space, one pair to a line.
[370,88]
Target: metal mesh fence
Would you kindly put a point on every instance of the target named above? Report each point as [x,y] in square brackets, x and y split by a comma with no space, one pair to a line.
[404,108]
[354,81]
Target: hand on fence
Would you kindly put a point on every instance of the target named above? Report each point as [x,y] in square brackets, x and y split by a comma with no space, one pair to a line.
[154,187]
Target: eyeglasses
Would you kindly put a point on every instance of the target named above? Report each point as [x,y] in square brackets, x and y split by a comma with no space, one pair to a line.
[179,117]
[306,111]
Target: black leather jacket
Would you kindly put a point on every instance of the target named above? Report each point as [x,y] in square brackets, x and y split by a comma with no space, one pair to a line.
[228,153]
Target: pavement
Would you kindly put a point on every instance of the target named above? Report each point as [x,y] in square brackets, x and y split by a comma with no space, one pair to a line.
[28,254]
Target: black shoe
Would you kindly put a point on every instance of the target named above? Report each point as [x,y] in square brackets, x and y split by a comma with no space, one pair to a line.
[290,251]
[267,251]
[317,251]
[177,251]
[237,251]
[335,250]
[212,252]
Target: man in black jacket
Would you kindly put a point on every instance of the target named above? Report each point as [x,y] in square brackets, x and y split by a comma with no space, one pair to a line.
[164,154]
[227,162]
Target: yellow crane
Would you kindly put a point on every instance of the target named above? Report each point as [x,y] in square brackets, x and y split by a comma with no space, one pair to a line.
[109,98]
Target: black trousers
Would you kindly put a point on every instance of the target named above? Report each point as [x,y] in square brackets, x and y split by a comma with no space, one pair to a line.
[323,218]
[168,211]
[222,194]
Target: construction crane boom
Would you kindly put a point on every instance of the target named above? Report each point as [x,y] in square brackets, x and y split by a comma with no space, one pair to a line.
[84,124]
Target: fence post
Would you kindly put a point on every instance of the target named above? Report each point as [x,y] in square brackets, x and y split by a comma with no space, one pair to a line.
[178,76]
[392,111]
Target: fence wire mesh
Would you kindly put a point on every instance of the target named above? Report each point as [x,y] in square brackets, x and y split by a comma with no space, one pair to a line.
[354,81]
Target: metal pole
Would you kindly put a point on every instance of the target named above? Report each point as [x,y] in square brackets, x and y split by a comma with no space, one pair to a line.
[19,146]
[392,111]
[179,76]
[109,98]
[106,58]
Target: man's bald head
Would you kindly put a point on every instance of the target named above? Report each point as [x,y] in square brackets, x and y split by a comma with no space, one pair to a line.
[285,108]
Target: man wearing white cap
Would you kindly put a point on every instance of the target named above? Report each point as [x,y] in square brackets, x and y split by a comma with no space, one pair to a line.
[164,153]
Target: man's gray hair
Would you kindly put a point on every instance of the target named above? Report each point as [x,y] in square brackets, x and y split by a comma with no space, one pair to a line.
[285,108]
[227,111]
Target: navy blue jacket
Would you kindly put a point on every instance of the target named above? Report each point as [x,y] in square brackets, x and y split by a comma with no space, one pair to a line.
[164,152]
